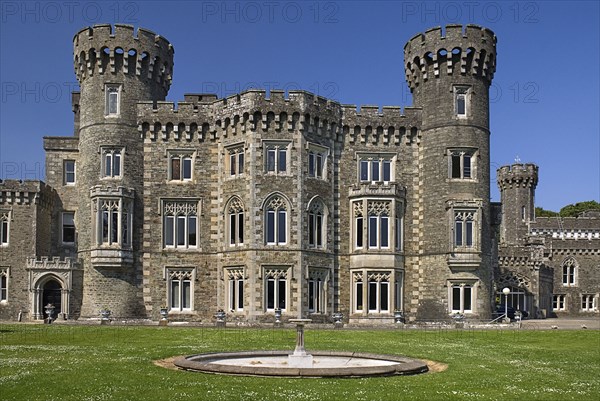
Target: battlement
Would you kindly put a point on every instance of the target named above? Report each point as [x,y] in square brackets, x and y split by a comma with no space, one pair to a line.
[17,192]
[54,263]
[205,117]
[106,49]
[434,54]
[518,174]
[121,192]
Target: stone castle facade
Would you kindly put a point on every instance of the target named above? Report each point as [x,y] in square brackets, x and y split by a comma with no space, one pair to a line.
[258,202]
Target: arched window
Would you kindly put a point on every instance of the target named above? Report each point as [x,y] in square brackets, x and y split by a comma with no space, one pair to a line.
[569,272]
[235,221]
[276,221]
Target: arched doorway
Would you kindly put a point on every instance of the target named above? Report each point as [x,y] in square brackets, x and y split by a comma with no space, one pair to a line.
[52,294]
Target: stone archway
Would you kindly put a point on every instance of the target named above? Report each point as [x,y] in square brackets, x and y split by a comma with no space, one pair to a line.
[50,289]
[52,294]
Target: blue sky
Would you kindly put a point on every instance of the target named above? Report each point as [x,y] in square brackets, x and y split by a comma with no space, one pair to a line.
[545,92]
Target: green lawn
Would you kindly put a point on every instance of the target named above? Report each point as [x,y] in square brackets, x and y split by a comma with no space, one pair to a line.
[60,362]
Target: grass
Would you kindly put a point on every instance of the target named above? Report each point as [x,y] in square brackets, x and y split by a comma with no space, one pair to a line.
[68,362]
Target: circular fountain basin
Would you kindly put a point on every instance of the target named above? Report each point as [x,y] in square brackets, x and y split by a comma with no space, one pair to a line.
[325,364]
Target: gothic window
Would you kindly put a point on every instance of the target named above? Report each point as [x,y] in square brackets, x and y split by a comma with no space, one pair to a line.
[180,289]
[461,164]
[359,222]
[275,288]
[357,279]
[276,221]
[399,232]
[3,285]
[461,101]
[376,167]
[461,298]
[112,162]
[4,227]
[558,302]
[464,222]
[588,303]
[276,158]
[113,95]
[379,224]
[180,165]
[235,158]
[235,221]
[569,271]
[69,172]
[68,227]
[113,221]
[235,289]
[316,225]
[180,224]
[316,290]
[378,292]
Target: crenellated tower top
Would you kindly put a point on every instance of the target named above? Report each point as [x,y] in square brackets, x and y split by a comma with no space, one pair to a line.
[104,49]
[518,176]
[432,54]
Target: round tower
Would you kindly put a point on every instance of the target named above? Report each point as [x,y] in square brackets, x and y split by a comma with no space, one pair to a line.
[517,193]
[116,68]
[449,74]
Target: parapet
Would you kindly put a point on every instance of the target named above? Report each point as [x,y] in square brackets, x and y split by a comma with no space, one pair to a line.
[106,49]
[17,192]
[517,175]
[433,54]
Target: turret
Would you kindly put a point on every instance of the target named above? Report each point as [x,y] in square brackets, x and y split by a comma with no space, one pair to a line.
[517,192]
[116,68]
[454,71]
[449,73]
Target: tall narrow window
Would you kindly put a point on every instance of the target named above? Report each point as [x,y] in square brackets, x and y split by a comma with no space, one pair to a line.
[358,292]
[379,227]
[180,290]
[316,290]
[235,212]
[109,222]
[3,285]
[316,225]
[235,279]
[398,231]
[275,289]
[463,229]
[180,224]
[569,272]
[276,221]
[358,224]
[316,161]
[113,93]
[68,227]
[461,101]
[4,227]
[69,172]
[111,162]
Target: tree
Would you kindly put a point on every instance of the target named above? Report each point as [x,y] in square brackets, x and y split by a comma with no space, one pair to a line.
[540,212]
[574,210]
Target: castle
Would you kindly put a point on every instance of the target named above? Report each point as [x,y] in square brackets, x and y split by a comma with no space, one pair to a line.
[261,202]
